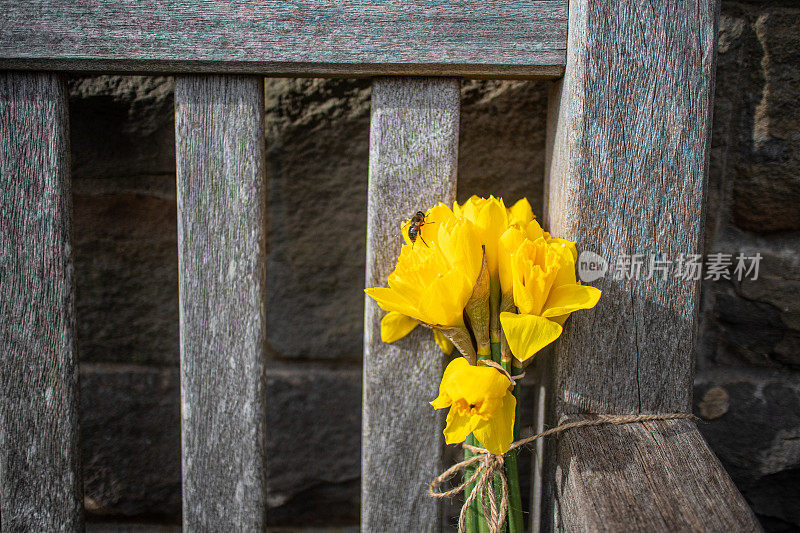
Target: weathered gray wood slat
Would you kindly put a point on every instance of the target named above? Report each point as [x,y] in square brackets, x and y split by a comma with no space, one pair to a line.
[538,371]
[627,176]
[412,166]
[40,482]
[302,37]
[219,141]
[657,476]
[630,128]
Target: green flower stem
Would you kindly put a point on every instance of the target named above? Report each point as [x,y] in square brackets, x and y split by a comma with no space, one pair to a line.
[514,496]
[497,483]
[483,526]
[475,520]
[496,351]
[472,512]
[495,335]
[515,522]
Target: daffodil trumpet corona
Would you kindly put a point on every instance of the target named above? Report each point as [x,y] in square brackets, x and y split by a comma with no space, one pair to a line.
[489,281]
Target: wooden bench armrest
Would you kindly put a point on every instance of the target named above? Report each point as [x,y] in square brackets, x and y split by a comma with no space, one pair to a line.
[653,476]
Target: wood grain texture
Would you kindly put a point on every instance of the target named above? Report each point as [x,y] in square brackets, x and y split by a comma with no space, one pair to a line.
[656,476]
[627,176]
[301,37]
[412,166]
[219,137]
[40,481]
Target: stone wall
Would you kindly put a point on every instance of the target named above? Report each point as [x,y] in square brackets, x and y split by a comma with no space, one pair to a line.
[747,385]
[748,379]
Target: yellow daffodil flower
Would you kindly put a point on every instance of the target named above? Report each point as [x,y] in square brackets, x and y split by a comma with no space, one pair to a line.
[435,275]
[480,402]
[542,275]
[432,281]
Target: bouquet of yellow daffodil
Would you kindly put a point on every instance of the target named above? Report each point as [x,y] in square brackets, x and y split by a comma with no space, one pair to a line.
[489,281]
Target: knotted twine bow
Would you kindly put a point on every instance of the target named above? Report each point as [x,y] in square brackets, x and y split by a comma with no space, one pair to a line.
[490,465]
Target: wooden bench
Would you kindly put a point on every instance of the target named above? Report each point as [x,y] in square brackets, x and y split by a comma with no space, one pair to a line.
[628,141]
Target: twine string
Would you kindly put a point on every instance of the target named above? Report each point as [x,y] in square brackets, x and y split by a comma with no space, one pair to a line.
[490,465]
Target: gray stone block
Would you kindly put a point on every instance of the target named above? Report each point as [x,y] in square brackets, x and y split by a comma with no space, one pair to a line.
[502,140]
[121,126]
[755,161]
[752,422]
[126,277]
[317,156]
[130,441]
[313,429]
[754,322]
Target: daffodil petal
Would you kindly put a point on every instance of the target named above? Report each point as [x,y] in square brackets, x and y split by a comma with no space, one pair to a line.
[566,261]
[534,230]
[444,299]
[404,231]
[459,426]
[520,213]
[453,367]
[463,246]
[523,298]
[436,216]
[444,343]
[390,300]
[478,383]
[527,334]
[567,244]
[452,370]
[442,401]
[568,298]
[395,326]
[493,221]
[470,208]
[508,245]
[457,210]
[497,433]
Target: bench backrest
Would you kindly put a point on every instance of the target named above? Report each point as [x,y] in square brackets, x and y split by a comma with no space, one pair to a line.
[627,155]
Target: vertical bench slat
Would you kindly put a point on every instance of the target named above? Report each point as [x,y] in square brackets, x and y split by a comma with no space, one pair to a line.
[221,230]
[539,371]
[630,130]
[40,483]
[626,176]
[413,163]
